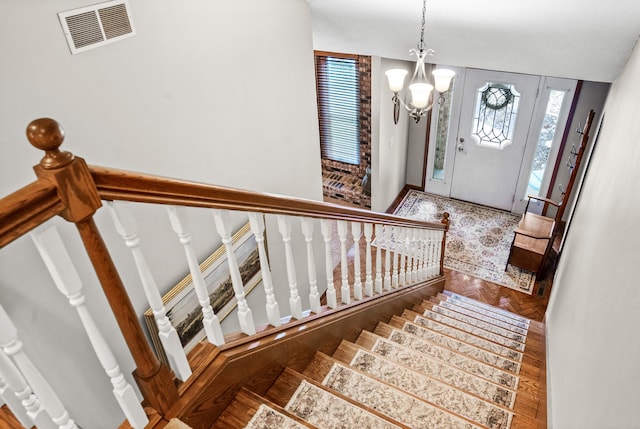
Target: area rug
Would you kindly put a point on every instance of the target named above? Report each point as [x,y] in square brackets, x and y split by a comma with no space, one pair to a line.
[478,239]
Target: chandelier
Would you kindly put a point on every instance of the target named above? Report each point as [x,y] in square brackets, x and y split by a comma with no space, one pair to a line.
[420,86]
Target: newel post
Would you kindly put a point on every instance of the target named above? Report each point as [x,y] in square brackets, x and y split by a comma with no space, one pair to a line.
[78,193]
[445,221]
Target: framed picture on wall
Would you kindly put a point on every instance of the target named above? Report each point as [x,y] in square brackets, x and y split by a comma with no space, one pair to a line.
[181,302]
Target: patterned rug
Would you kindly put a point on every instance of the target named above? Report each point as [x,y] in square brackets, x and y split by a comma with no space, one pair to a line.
[478,240]
[460,372]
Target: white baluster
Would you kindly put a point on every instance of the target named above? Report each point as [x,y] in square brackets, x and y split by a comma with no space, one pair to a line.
[401,246]
[422,274]
[386,232]
[222,220]
[434,248]
[356,230]
[12,346]
[428,252]
[17,389]
[295,303]
[368,282]
[397,245]
[345,291]
[380,239]
[414,256]
[423,255]
[8,396]
[256,221]
[127,227]
[325,228]
[66,278]
[438,249]
[210,322]
[314,296]
[411,255]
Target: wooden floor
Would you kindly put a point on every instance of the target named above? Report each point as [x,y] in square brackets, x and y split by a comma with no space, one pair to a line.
[531,399]
[7,420]
[530,306]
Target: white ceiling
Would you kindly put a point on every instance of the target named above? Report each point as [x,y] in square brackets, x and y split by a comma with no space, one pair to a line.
[581,39]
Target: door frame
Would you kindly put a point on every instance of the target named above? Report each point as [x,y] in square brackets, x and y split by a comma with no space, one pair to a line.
[494,186]
[443,186]
[547,84]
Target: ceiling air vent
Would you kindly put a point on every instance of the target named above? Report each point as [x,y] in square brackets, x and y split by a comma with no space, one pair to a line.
[93,26]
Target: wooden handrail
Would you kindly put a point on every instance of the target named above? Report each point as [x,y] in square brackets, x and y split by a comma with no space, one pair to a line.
[25,209]
[65,187]
[69,188]
[545,200]
[115,184]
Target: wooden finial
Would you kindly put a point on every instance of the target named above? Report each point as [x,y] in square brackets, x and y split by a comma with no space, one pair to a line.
[46,134]
[445,220]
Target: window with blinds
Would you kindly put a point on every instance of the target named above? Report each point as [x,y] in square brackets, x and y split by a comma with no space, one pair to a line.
[339,108]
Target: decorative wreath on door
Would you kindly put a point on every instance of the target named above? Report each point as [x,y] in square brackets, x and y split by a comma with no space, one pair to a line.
[496,97]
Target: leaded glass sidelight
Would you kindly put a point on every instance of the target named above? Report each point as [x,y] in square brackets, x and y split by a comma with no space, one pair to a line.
[442,134]
[495,115]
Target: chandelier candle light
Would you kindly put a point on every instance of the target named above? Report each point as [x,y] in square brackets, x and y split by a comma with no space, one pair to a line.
[420,87]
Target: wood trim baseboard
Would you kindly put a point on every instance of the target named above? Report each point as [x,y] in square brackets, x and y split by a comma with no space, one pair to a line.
[394,205]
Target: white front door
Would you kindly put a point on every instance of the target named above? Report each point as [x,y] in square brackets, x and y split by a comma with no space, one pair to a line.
[495,117]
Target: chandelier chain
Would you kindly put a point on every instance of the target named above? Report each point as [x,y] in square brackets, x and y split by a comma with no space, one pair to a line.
[424,13]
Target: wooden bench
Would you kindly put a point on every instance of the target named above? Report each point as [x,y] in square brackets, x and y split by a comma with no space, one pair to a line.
[533,239]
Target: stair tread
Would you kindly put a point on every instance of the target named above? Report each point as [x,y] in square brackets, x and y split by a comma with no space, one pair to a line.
[477,313]
[464,327]
[388,400]
[473,320]
[334,407]
[523,324]
[427,388]
[461,335]
[246,405]
[477,303]
[447,362]
[464,356]
[462,343]
[443,372]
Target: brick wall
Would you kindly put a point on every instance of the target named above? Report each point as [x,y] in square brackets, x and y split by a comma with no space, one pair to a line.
[343,181]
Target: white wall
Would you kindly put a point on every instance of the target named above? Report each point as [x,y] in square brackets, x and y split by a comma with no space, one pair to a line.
[592,318]
[195,95]
[416,147]
[389,150]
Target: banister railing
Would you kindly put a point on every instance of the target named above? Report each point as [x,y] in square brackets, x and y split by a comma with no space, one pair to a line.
[406,252]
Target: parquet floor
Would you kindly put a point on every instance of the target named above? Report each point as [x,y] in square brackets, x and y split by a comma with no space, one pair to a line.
[530,306]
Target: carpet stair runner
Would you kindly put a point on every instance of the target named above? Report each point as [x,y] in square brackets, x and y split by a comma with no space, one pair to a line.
[449,362]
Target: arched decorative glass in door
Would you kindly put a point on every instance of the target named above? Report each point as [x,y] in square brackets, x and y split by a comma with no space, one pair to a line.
[495,115]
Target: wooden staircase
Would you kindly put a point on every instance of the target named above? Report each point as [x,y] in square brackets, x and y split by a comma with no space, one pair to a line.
[446,362]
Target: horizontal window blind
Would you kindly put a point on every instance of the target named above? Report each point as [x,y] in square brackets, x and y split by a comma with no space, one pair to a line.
[339,108]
